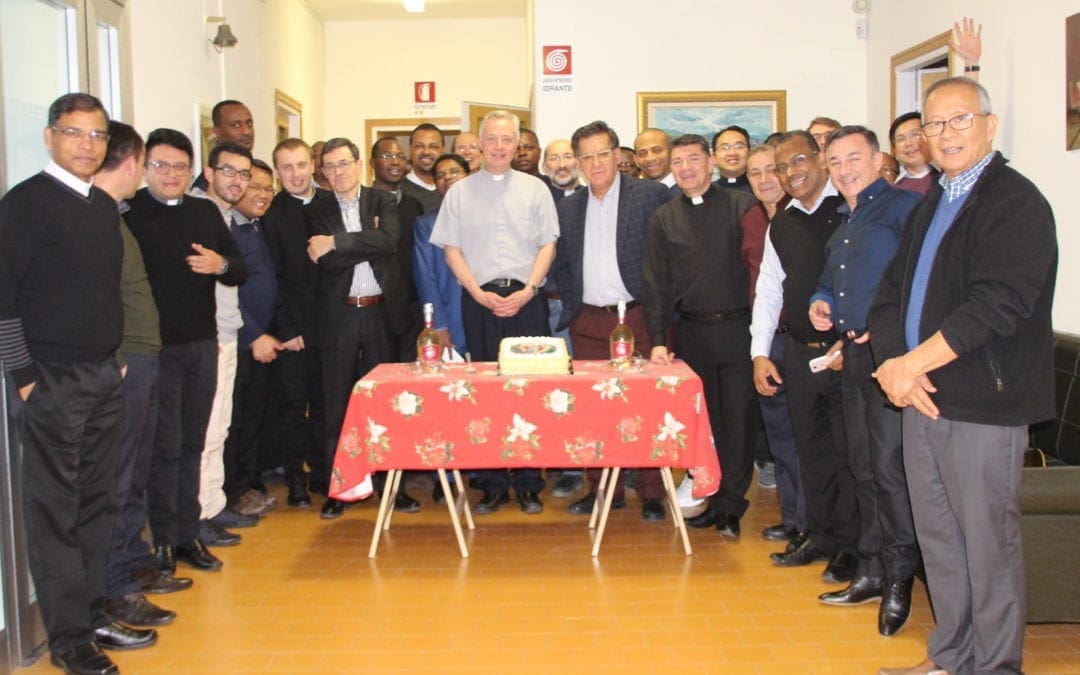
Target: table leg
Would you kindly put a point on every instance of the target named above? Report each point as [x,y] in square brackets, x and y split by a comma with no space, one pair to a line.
[395,482]
[385,505]
[613,477]
[601,490]
[673,507]
[462,500]
[451,506]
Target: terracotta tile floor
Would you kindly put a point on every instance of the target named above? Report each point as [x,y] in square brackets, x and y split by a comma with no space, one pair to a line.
[300,595]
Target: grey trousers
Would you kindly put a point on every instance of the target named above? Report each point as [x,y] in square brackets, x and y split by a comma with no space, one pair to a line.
[964,482]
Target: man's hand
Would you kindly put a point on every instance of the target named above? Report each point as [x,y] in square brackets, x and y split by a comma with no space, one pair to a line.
[905,388]
[661,356]
[319,245]
[24,392]
[837,364]
[967,40]
[764,369]
[294,345]
[265,348]
[821,315]
[204,261]
[513,303]
[444,338]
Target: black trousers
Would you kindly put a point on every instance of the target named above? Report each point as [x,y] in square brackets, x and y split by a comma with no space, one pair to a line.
[365,341]
[817,418]
[187,380]
[300,413]
[70,428]
[774,412]
[875,455]
[128,552]
[718,353]
[251,393]
[483,332]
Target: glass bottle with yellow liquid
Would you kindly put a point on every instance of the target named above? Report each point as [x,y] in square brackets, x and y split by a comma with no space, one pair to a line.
[622,339]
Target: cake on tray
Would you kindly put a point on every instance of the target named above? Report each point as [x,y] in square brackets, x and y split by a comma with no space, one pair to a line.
[533,356]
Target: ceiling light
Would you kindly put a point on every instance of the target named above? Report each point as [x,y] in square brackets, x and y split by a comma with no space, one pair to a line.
[414,6]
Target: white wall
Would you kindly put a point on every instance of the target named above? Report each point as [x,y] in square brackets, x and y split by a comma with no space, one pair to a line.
[371,67]
[175,68]
[1023,68]
[622,47]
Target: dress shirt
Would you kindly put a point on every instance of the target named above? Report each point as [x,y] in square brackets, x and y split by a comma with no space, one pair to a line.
[417,180]
[601,281]
[859,250]
[69,179]
[669,179]
[499,221]
[363,281]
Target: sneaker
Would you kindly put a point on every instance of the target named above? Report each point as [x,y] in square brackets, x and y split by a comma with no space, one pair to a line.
[688,504]
[766,474]
[229,517]
[566,484]
[250,504]
[212,534]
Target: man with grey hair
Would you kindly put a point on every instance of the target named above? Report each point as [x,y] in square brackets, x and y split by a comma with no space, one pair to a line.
[962,331]
[498,228]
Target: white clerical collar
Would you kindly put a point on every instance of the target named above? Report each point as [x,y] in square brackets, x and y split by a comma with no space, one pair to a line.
[69,179]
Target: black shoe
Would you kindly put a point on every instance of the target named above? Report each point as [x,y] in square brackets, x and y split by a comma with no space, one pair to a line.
[135,610]
[119,637]
[490,502]
[403,503]
[779,533]
[333,508]
[566,485]
[195,555]
[840,570]
[298,494]
[652,510]
[437,494]
[164,560]
[728,525]
[707,518]
[895,606]
[153,581]
[800,539]
[804,555]
[317,487]
[228,517]
[212,534]
[530,502]
[84,659]
[584,506]
[860,591]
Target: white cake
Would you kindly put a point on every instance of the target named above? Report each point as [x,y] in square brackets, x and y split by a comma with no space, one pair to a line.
[533,356]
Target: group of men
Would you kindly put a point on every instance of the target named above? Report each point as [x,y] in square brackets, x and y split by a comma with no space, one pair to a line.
[890,342]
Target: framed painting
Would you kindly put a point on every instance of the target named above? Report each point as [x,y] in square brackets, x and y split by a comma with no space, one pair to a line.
[706,112]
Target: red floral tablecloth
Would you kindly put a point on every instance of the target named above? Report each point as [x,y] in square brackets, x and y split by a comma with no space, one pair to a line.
[469,417]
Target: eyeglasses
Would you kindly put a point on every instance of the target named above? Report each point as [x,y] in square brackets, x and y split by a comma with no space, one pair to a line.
[728,147]
[343,165]
[959,123]
[795,162]
[77,134]
[163,168]
[391,156]
[263,189]
[767,171]
[468,146]
[449,173]
[232,171]
[915,136]
[602,156]
[565,157]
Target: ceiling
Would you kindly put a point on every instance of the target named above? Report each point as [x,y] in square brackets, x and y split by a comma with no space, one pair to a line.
[385,10]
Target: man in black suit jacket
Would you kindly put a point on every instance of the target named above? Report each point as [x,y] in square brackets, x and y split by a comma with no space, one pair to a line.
[607,225]
[361,303]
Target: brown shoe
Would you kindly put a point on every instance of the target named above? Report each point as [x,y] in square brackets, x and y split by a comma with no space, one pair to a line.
[251,503]
[135,610]
[927,667]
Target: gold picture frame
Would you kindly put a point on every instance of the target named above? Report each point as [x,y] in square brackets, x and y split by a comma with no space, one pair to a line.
[760,112]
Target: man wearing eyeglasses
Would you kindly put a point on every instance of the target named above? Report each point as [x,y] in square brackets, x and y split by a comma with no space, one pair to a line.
[731,147]
[909,145]
[187,248]
[962,332]
[361,302]
[61,321]
[694,270]
[603,230]
[791,265]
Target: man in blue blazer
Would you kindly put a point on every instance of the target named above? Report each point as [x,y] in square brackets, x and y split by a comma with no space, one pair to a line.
[598,263]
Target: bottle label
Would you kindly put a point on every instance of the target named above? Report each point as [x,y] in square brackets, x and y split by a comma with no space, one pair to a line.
[430,353]
[621,349]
